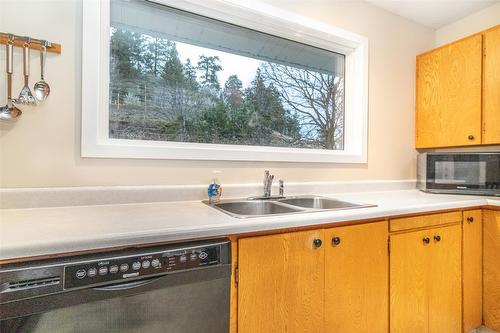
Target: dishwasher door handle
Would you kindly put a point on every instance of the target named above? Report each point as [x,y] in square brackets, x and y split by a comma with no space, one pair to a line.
[127,285]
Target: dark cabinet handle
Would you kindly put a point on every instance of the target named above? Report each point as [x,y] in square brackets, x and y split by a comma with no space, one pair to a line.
[317,242]
[437,238]
[471,137]
[426,240]
[470,219]
[336,241]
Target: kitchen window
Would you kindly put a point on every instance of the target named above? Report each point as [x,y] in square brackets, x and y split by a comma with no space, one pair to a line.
[220,81]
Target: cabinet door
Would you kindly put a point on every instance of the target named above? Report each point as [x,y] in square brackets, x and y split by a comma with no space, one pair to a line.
[445,284]
[356,278]
[281,283]
[491,269]
[491,95]
[448,101]
[409,279]
[472,245]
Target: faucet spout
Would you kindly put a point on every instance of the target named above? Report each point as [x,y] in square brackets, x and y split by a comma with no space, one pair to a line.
[268,182]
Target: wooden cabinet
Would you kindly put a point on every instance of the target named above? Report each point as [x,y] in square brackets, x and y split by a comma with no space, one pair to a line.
[291,283]
[281,283]
[425,281]
[472,247]
[448,101]
[356,275]
[491,269]
[457,100]
[491,89]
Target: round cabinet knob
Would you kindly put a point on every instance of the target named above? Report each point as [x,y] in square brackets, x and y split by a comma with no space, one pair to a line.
[336,240]
[426,240]
[470,137]
[470,219]
[317,242]
[437,238]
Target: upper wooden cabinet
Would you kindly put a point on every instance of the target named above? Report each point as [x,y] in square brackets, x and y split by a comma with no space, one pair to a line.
[457,100]
[491,91]
[449,95]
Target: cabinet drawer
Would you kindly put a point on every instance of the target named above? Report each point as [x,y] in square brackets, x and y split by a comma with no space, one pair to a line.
[423,221]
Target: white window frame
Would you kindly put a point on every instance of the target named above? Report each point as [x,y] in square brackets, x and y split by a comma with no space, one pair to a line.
[95,141]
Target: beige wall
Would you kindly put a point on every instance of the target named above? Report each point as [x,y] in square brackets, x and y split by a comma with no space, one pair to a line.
[43,147]
[483,19]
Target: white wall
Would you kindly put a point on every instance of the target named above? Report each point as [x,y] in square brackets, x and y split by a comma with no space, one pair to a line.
[43,147]
[483,19]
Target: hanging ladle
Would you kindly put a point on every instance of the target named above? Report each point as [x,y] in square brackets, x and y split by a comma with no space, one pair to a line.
[9,111]
[25,96]
[42,88]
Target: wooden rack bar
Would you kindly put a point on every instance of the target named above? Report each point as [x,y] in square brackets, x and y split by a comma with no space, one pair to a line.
[35,44]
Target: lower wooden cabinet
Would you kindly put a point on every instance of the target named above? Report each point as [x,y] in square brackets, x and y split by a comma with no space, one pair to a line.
[425,281]
[440,274]
[332,280]
[491,269]
[472,272]
[280,283]
[356,276]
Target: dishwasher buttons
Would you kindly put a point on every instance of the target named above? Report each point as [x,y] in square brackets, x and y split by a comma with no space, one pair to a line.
[124,267]
[183,258]
[92,272]
[146,264]
[103,270]
[193,256]
[203,255]
[155,263]
[81,273]
[113,269]
[136,265]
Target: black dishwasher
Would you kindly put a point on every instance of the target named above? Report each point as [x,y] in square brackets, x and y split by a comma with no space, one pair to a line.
[179,288]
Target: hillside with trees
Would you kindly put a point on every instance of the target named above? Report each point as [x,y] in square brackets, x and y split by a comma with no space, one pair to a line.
[156,96]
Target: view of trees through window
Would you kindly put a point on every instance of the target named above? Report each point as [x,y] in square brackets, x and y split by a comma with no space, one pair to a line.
[165,90]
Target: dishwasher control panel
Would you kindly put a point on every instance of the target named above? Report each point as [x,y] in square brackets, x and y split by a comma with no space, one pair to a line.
[119,268]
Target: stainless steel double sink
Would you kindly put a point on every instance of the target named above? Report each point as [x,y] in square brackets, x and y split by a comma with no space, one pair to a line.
[258,207]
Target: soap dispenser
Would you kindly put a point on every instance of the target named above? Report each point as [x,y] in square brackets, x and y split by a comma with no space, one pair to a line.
[214,192]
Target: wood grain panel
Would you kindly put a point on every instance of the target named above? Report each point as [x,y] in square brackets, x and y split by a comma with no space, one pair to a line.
[356,279]
[472,277]
[409,280]
[491,269]
[423,221]
[448,101]
[445,284]
[491,87]
[281,283]
[233,313]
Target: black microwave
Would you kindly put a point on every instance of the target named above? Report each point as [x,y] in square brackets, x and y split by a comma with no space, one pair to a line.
[459,173]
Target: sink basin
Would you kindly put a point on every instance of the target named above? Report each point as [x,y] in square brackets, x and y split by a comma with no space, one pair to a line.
[254,208]
[316,202]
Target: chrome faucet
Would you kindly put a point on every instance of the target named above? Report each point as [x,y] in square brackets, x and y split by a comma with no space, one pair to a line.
[268,183]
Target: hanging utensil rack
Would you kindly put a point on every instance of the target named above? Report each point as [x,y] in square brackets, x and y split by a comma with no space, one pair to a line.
[35,44]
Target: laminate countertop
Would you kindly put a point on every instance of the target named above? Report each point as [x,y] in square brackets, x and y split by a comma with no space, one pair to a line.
[55,230]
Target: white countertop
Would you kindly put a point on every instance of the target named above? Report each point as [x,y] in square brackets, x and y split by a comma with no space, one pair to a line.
[44,231]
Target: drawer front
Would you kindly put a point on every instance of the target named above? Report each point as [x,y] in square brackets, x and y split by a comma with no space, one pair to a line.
[423,221]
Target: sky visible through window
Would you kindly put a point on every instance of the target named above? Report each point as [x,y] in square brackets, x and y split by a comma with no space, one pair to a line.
[244,67]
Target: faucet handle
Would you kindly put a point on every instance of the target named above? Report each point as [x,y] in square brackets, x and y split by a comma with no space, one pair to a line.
[281,188]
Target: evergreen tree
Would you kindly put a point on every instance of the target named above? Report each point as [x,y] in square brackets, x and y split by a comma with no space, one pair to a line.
[232,93]
[209,66]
